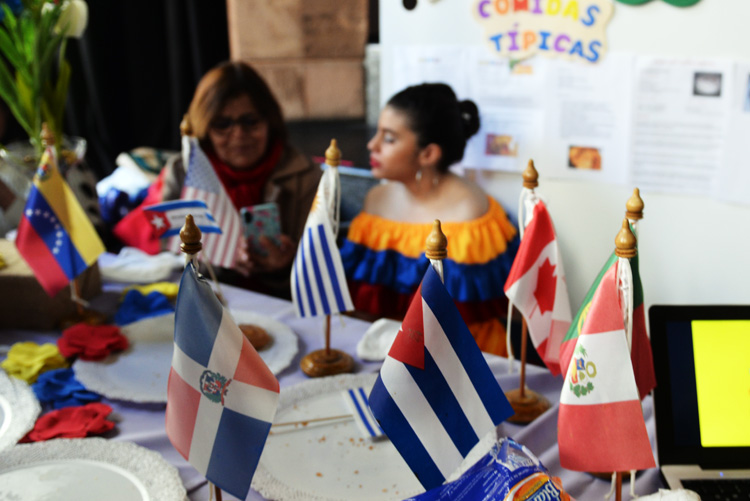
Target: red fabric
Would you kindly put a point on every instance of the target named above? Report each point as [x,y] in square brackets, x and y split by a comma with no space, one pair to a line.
[91,342]
[134,229]
[245,187]
[71,422]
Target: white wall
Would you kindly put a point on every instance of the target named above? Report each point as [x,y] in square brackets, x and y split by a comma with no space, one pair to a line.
[694,249]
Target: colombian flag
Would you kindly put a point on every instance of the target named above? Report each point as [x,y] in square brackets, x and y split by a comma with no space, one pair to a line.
[55,236]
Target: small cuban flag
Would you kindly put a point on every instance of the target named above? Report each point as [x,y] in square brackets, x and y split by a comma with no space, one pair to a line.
[168,218]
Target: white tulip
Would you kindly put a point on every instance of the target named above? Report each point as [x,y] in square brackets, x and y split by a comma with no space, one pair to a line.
[73,18]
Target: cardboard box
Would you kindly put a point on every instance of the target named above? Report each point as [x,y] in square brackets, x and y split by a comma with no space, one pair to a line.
[271,29]
[316,88]
[23,302]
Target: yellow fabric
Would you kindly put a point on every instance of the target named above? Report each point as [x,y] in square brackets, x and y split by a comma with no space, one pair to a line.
[490,336]
[169,289]
[469,242]
[27,360]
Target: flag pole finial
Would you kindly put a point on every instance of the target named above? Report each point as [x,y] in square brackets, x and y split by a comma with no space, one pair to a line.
[186,129]
[530,176]
[190,235]
[48,137]
[625,241]
[333,154]
[634,206]
[436,245]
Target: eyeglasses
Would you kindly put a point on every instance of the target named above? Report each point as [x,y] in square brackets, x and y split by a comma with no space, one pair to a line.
[248,122]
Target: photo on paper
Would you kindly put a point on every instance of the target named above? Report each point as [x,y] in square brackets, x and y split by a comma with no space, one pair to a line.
[503,145]
[707,84]
[584,158]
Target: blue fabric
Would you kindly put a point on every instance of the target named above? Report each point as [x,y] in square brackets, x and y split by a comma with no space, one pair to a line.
[135,306]
[60,388]
[465,282]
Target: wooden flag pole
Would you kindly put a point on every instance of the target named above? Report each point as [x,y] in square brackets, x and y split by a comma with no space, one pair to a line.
[190,235]
[527,404]
[328,361]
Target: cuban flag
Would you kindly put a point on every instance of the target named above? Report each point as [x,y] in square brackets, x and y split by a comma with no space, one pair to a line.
[168,218]
[221,396]
[435,396]
[55,236]
[318,280]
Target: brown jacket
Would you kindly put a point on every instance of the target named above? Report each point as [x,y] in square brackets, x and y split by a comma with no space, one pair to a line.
[292,186]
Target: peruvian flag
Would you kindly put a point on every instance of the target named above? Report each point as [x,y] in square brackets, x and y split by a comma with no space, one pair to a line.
[536,286]
[600,423]
[640,350]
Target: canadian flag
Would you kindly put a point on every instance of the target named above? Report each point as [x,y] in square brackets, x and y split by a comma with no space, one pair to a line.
[536,286]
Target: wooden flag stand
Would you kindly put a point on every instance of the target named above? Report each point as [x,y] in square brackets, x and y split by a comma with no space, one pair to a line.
[626,243]
[527,404]
[191,244]
[328,361]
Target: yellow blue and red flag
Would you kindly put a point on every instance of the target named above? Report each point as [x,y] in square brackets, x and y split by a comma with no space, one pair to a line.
[55,237]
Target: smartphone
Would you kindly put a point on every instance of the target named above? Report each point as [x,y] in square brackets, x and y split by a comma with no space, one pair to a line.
[261,220]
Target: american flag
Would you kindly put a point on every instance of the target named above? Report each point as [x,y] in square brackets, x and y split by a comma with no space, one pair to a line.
[202,183]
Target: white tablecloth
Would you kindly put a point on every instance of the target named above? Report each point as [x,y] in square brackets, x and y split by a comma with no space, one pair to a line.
[144,423]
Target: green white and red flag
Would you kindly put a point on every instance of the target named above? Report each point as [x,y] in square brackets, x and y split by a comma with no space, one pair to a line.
[640,353]
[600,423]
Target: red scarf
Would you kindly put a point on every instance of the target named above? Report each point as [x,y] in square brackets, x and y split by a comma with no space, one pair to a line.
[245,187]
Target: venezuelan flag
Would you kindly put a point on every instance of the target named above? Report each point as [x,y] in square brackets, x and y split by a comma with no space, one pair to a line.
[55,236]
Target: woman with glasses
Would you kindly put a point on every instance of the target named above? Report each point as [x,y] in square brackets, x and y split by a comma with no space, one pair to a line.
[239,126]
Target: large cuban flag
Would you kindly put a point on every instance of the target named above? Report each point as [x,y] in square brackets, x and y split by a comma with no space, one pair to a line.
[318,280]
[435,396]
[221,396]
[168,218]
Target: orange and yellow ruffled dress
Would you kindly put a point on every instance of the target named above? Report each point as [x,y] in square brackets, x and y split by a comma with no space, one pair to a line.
[384,262]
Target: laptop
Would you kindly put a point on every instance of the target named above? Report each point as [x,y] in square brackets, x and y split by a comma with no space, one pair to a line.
[702,398]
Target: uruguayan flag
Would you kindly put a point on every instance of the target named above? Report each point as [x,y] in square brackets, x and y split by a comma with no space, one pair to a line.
[318,280]
[169,217]
[435,396]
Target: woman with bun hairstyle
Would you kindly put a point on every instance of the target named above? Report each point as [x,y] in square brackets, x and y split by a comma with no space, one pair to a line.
[422,131]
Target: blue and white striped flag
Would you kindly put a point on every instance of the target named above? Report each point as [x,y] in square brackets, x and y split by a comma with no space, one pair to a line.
[168,218]
[356,400]
[435,396]
[318,280]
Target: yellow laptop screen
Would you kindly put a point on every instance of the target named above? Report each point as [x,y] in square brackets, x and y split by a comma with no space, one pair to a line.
[722,372]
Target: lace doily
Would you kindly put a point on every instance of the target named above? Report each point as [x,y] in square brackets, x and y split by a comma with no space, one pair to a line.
[140,473]
[19,409]
[328,461]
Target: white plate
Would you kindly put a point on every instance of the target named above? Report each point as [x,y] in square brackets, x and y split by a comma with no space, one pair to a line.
[87,469]
[19,409]
[329,461]
[140,373]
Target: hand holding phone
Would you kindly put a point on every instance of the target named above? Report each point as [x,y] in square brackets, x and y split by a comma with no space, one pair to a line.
[261,220]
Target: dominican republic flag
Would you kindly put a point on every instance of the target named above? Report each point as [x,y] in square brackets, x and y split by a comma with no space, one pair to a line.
[600,424]
[202,183]
[318,280]
[640,350]
[536,286]
[435,396]
[55,236]
[221,396]
[168,218]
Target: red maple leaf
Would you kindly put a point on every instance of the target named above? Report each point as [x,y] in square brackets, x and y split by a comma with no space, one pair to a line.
[546,284]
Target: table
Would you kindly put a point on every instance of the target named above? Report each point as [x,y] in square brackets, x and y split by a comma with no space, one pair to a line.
[144,423]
